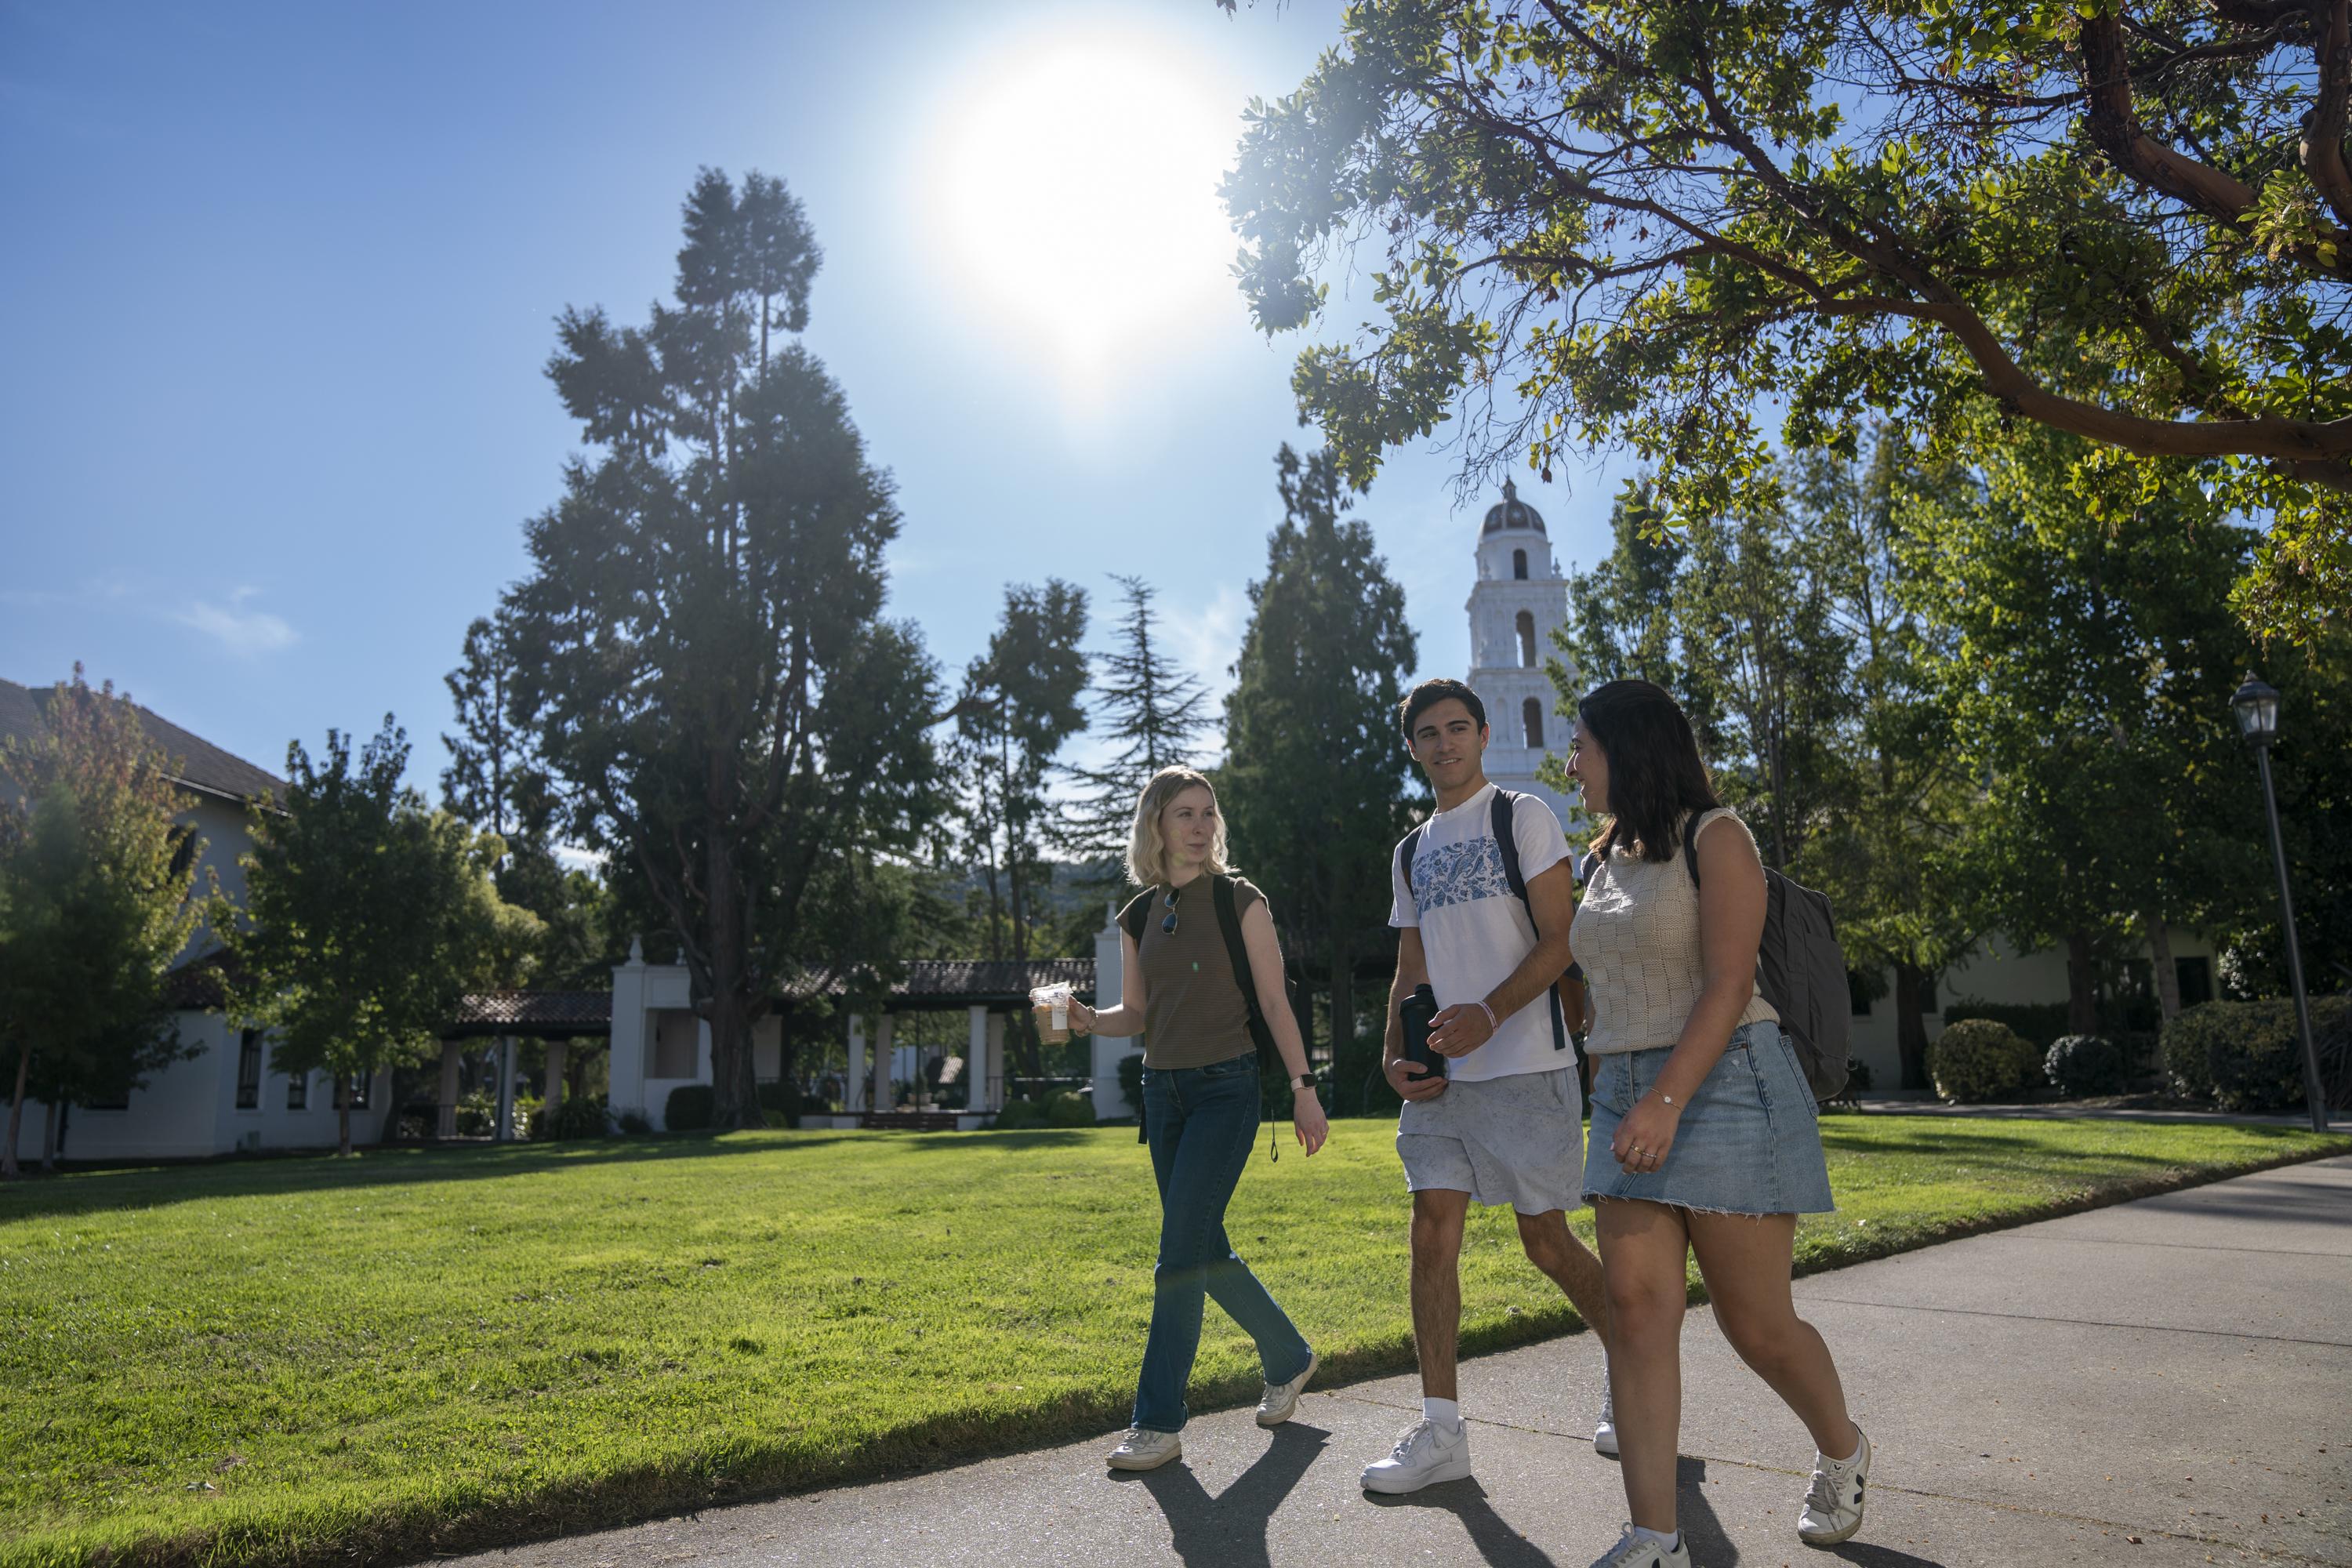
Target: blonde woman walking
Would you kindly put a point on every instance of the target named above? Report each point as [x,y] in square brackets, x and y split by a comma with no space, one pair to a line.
[1191,937]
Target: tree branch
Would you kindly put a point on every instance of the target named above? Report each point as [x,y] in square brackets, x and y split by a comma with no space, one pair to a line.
[2323,132]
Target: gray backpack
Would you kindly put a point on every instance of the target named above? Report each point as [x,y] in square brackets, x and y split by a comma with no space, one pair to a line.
[1800,970]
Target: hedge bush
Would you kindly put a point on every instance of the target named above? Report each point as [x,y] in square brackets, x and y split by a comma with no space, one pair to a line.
[2248,1055]
[782,1102]
[580,1116]
[1070,1109]
[2039,1022]
[1978,1059]
[1020,1116]
[1130,1080]
[689,1108]
[2085,1065]
[2180,1049]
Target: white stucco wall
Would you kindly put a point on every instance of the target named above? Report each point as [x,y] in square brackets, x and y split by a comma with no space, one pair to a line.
[189,1111]
[1997,973]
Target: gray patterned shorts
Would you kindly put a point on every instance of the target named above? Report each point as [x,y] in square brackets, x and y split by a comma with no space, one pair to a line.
[1516,1140]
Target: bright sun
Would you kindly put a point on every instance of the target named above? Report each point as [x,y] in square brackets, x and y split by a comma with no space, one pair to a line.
[1079,199]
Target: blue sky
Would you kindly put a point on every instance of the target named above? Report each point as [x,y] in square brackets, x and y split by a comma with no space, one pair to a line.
[281,283]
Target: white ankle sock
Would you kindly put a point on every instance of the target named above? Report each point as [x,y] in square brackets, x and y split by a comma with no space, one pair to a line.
[1852,1460]
[1659,1536]
[1445,1413]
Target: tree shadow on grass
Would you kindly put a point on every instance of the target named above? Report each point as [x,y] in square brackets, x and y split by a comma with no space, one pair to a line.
[407,1164]
[1228,1531]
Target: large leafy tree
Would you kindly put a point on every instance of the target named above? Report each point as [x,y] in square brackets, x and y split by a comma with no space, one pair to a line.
[1784,634]
[367,915]
[2090,668]
[1153,713]
[1641,222]
[1317,784]
[96,885]
[1889,846]
[706,669]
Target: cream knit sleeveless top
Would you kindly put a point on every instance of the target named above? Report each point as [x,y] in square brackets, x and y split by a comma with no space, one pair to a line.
[1636,935]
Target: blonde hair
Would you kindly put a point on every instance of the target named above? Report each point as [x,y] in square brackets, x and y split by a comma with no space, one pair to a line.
[1146,851]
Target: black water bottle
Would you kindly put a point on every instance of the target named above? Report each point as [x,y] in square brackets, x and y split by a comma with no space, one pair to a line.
[1419,1011]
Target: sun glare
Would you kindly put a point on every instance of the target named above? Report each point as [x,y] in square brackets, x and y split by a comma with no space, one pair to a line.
[1079,201]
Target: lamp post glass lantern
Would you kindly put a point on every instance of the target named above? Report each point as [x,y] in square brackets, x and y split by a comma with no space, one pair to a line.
[2256,706]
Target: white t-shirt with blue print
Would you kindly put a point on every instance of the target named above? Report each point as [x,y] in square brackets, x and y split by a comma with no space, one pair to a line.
[1475,929]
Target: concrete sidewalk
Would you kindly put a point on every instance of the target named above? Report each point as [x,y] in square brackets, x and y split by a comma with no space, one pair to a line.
[2166,1382]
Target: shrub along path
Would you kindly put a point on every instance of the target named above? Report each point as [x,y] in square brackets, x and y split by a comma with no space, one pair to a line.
[374,1359]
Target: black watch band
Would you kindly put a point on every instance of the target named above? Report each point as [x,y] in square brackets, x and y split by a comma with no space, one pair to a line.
[1306,1079]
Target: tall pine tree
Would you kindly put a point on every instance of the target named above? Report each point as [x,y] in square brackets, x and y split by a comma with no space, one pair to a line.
[1317,781]
[704,662]
[1151,709]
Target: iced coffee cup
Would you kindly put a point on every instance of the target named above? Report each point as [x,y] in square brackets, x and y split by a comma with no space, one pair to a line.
[1053,1005]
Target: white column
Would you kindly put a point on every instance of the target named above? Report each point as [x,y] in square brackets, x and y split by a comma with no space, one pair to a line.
[854,1089]
[879,1098]
[1110,959]
[505,1127]
[997,1024]
[975,1062]
[452,1054]
[632,1026]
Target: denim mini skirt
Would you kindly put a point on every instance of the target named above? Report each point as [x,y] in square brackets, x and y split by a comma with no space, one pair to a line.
[1749,1143]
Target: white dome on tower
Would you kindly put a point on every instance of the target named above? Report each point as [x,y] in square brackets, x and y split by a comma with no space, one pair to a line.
[1517,605]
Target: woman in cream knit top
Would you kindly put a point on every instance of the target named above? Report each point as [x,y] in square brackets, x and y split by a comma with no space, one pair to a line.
[1704,1135]
[1637,936]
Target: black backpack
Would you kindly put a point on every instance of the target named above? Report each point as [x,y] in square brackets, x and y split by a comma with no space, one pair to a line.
[1800,970]
[1222,898]
[1506,845]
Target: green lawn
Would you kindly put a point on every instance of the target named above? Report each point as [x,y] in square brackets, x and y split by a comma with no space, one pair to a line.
[369,1358]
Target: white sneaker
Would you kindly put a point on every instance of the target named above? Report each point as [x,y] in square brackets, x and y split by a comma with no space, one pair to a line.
[1282,1398]
[1633,1551]
[1144,1449]
[1833,1502]
[1424,1455]
[1604,1430]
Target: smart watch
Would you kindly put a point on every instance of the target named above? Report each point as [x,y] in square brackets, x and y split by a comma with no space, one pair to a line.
[1305,1080]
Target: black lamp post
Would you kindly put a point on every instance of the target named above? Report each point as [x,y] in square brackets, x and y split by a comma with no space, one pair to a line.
[2256,705]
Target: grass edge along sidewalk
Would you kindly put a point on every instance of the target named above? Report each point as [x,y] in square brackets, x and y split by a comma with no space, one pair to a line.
[351,1523]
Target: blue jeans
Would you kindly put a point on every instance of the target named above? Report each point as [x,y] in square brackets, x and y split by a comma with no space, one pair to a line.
[1201,1123]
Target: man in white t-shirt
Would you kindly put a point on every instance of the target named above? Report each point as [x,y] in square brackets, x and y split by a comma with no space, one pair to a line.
[1504,1124]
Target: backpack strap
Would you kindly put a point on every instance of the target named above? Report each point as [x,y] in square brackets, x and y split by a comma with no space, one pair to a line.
[1502,821]
[1229,926]
[1133,918]
[1406,849]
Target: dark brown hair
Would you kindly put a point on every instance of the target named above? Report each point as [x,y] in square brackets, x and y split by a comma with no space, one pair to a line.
[1655,778]
[1430,693]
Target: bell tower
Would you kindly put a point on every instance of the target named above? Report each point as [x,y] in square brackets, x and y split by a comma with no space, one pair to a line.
[1518,601]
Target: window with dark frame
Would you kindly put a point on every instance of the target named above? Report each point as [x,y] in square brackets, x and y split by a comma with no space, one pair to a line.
[2195,976]
[1531,712]
[248,1071]
[1519,566]
[298,1092]
[1527,630]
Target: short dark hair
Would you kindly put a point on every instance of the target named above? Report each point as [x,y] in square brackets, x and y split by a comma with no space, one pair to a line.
[1432,692]
[1655,777]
